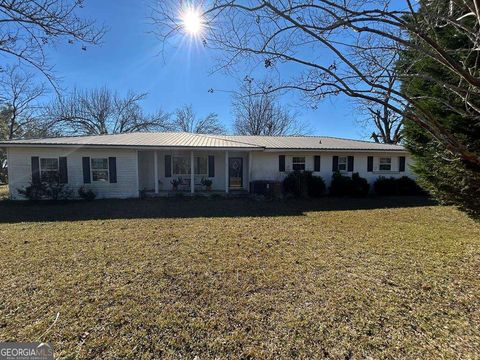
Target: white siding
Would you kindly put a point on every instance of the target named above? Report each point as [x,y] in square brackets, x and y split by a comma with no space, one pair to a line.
[20,172]
[265,165]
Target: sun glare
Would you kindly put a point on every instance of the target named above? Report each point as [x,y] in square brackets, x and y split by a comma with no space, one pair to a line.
[192,21]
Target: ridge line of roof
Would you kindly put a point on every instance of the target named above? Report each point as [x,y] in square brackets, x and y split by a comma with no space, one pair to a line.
[212,136]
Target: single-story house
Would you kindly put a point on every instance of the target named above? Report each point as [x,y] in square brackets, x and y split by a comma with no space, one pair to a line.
[124,165]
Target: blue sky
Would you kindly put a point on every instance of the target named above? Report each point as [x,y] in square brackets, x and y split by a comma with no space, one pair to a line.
[128,59]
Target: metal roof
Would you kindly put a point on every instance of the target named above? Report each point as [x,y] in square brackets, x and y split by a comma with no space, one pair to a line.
[188,140]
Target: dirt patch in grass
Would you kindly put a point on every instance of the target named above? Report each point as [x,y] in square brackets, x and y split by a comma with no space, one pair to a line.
[310,280]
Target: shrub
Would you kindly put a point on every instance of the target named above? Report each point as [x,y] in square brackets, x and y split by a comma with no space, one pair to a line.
[46,190]
[348,186]
[303,184]
[394,187]
[315,186]
[86,194]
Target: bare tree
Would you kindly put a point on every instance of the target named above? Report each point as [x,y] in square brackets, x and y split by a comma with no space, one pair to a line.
[20,102]
[27,27]
[257,112]
[387,123]
[334,45]
[20,108]
[186,120]
[101,111]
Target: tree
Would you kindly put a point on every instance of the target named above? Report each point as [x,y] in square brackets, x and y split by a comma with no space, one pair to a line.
[186,120]
[446,176]
[28,27]
[257,112]
[101,111]
[387,123]
[334,47]
[19,109]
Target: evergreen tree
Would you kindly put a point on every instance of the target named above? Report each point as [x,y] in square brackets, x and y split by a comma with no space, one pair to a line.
[448,178]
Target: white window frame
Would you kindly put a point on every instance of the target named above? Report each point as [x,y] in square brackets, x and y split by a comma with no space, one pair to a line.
[57,171]
[343,162]
[304,163]
[107,169]
[387,162]
[196,160]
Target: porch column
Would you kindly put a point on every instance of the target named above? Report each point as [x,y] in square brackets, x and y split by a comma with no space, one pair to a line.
[249,170]
[192,173]
[155,169]
[226,172]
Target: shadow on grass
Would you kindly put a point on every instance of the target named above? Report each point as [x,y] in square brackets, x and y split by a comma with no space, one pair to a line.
[14,212]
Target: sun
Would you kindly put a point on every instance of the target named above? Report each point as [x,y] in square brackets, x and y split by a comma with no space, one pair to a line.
[192,21]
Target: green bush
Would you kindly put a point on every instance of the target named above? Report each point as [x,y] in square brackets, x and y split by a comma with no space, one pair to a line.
[86,194]
[46,190]
[303,184]
[403,186]
[349,186]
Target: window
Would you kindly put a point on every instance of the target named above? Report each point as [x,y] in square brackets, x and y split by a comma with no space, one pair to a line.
[100,169]
[385,164]
[342,163]
[49,169]
[181,165]
[201,165]
[298,163]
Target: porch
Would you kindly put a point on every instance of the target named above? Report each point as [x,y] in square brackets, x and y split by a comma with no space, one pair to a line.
[201,172]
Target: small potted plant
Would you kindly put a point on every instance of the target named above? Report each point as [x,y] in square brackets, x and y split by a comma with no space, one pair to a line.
[175,183]
[207,183]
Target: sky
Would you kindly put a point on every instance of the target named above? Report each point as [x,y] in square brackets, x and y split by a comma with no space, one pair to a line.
[130,58]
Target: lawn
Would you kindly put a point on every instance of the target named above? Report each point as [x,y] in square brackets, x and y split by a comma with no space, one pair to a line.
[234,278]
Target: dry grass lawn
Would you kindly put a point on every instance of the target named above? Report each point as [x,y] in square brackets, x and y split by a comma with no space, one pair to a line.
[180,278]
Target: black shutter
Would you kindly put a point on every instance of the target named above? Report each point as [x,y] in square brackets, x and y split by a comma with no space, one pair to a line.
[112,167]
[401,164]
[335,163]
[281,163]
[211,166]
[63,171]
[316,163]
[350,163]
[86,170]
[35,170]
[168,166]
[370,164]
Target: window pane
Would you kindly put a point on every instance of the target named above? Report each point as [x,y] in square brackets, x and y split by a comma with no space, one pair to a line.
[49,164]
[100,164]
[298,167]
[181,165]
[342,167]
[201,165]
[100,175]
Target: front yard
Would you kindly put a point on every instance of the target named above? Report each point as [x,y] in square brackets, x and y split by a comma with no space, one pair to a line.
[225,278]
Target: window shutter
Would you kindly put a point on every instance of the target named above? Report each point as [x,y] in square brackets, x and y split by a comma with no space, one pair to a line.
[281,163]
[112,167]
[370,164]
[63,171]
[350,163]
[401,164]
[86,170]
[168,166]
[335,163]
[211,166]
[316,163]
[35,170]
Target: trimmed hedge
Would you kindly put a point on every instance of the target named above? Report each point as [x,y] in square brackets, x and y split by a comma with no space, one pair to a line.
[303,184]
[403,186]
[355,186]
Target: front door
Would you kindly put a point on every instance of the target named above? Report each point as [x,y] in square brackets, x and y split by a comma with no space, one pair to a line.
[235,172]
